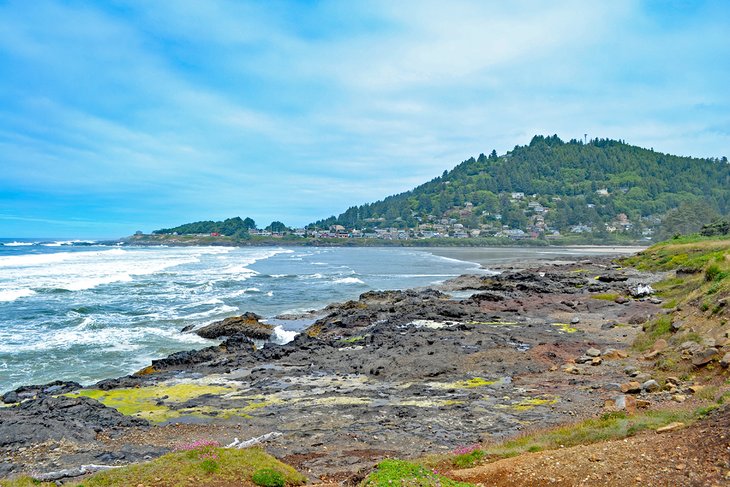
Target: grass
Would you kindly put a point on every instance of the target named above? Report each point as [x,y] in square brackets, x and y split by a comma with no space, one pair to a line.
[391,473]
[606,296]
[658,328]
[610,426]
[186,468]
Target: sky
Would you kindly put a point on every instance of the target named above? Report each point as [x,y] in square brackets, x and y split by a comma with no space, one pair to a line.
[117,116]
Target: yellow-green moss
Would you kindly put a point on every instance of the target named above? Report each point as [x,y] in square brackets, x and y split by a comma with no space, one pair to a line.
[143,401]
[527,404]
[474,383]
[565,327]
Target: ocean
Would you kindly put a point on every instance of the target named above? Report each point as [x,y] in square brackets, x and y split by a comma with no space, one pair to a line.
[84,312]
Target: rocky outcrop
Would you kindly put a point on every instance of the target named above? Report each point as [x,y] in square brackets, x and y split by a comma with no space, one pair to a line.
[247,325]
[55,418]
[36,391]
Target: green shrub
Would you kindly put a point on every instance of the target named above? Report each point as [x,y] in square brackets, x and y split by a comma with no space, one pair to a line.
[468,459]
[268,477]
[209,465]
[713,272]
[397,472]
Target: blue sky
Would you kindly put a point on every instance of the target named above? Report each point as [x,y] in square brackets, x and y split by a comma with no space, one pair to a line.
[124,115]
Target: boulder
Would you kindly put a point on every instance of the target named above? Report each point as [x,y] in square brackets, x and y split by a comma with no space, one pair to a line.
[10,397]
[650,386]
[632,387]
[621,300]
[35,391]
[613,354]
[247,325]
[704,357]
[593,352]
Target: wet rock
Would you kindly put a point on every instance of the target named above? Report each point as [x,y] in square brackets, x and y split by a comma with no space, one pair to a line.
[704,357]
[247,325]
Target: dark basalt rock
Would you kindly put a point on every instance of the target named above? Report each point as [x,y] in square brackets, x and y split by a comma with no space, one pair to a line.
[56,418]
[35,391]
[247,325]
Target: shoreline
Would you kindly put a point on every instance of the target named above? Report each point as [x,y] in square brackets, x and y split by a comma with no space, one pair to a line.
[364,361]
[481,255]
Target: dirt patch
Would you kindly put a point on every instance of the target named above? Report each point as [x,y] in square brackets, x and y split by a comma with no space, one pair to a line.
[698,455]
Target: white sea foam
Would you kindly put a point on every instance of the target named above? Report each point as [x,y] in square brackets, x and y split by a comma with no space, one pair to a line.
[62,243]
[220,310]
[81,270]
[19,244]
[102,339]
[348,280]
[7,295]
[282,336]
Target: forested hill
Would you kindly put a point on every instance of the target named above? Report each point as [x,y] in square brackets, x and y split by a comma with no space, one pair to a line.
[600,186]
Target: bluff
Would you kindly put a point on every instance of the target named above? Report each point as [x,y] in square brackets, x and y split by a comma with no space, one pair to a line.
[551,186]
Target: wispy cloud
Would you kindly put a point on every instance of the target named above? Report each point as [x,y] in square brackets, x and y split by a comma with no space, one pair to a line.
[161,112]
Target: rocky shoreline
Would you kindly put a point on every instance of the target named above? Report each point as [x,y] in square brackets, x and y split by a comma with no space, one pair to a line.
[394,373]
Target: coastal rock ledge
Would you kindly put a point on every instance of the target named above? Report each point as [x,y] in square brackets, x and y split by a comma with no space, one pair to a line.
[247,325]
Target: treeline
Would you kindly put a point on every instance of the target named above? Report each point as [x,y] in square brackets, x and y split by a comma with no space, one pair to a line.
[568,179]
[232,227]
